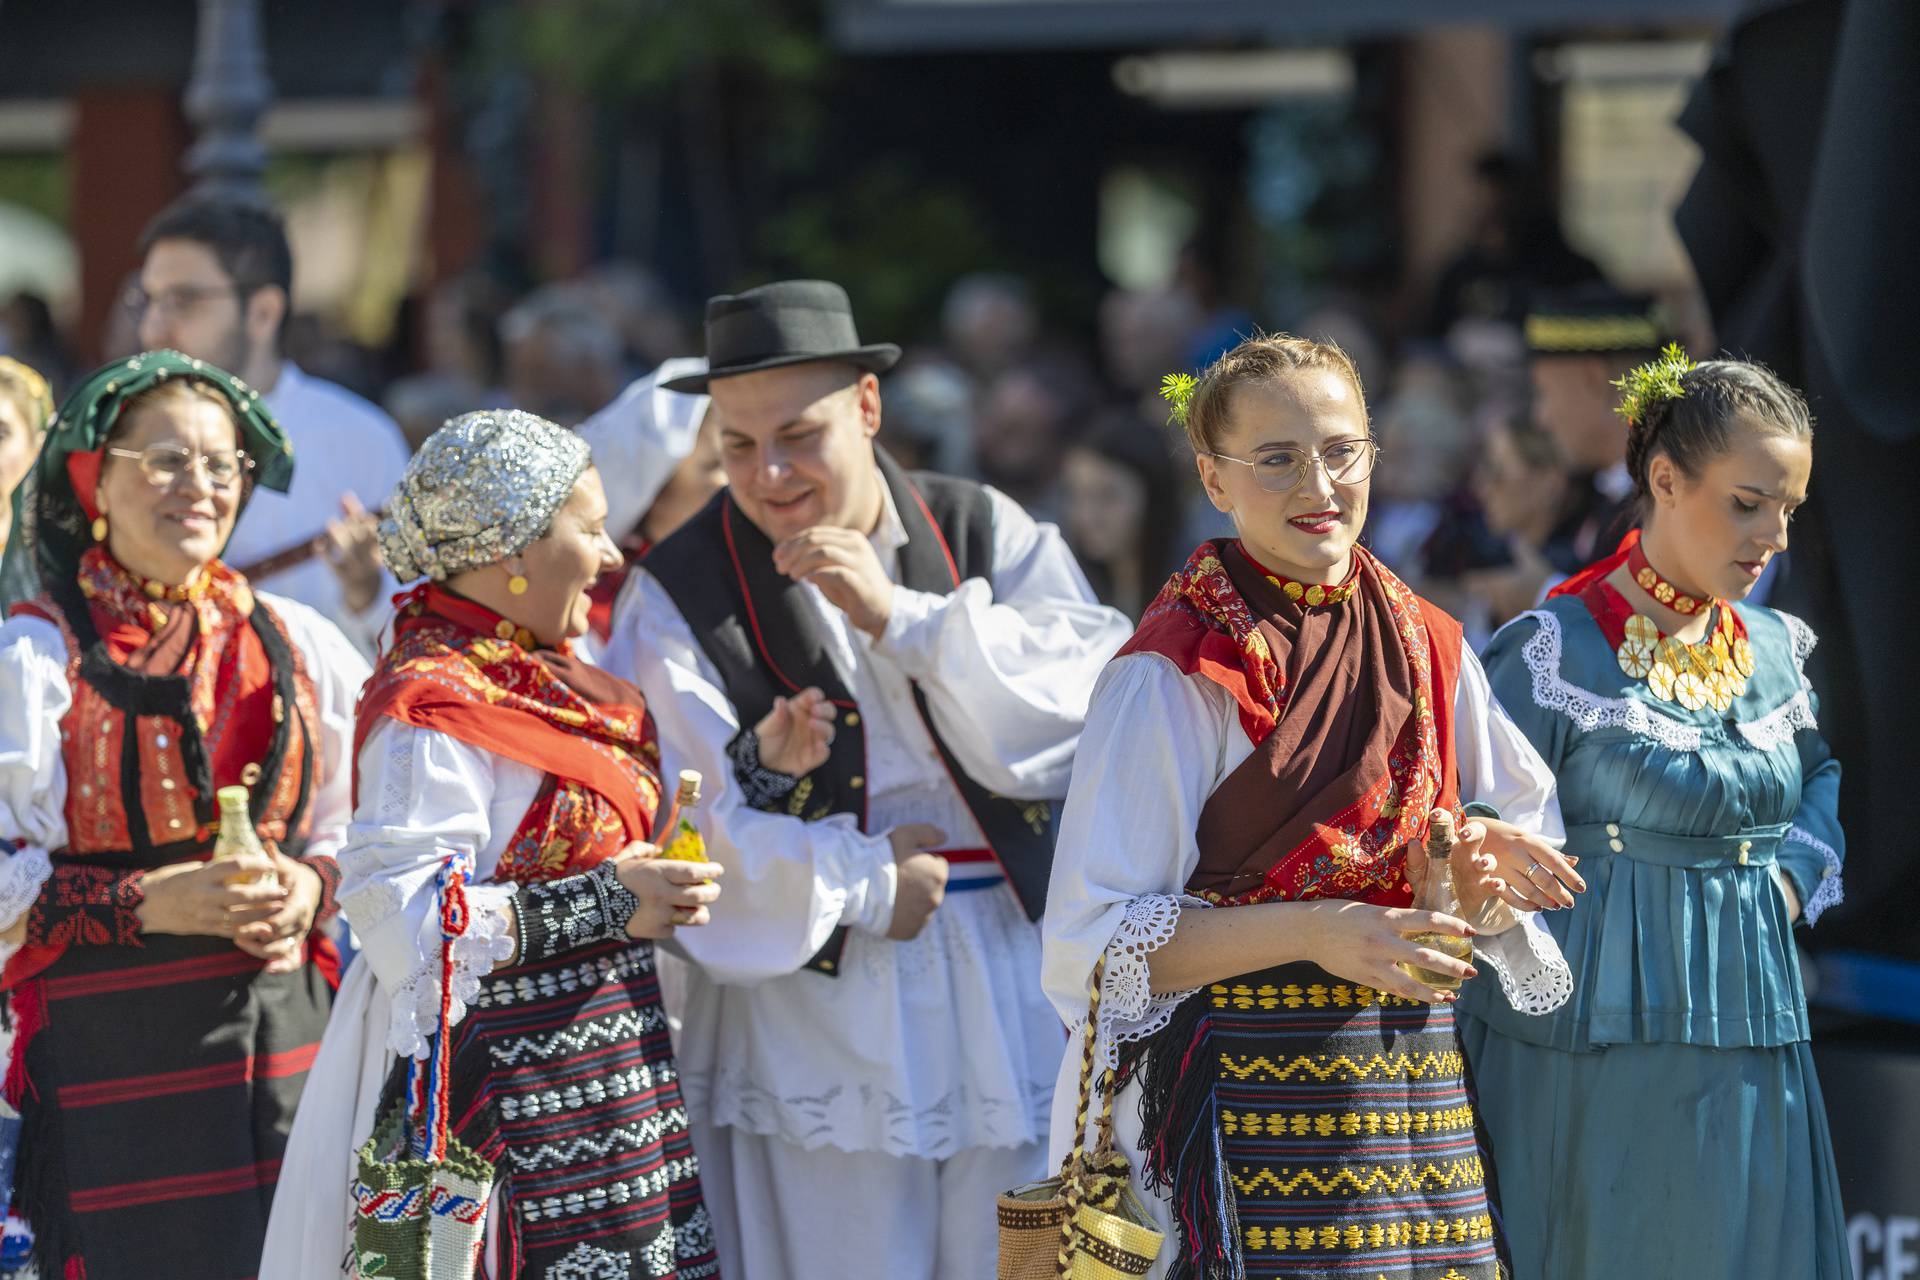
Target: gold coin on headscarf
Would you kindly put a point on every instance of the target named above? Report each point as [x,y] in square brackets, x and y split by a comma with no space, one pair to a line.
[1663,592]
[1641,631]
[1690,691]
[1316,594]
[1647,578]
[1294,590]
[1743,656]
[1660,680]
[1635,659]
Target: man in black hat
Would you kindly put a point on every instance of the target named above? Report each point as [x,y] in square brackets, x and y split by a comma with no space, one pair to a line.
[866,1049]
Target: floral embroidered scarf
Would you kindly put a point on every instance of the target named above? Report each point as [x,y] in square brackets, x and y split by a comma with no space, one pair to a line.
[459,669]
[1349,707]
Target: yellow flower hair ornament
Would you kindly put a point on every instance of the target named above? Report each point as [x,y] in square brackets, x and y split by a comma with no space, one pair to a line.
[1177,390]
[1653,383]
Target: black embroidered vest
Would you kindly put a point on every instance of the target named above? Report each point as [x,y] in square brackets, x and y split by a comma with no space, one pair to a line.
[760,633]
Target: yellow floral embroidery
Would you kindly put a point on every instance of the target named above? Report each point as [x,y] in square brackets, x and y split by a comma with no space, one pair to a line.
[1349,1124]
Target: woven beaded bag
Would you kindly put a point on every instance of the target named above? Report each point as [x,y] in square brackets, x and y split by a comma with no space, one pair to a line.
[420,1196]
[1088,1223]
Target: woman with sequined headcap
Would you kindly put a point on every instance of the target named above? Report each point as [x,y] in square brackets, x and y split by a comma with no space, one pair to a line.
[165,1007]
[482,735]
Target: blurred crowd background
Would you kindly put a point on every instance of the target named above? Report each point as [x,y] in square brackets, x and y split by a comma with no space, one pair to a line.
[1049,206]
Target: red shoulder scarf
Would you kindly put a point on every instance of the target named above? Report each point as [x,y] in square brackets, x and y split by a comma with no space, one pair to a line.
[1349,708]
[462,670]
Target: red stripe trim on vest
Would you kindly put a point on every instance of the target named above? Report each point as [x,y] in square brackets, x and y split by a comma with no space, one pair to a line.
[746,594]
[196,1080]
[953,566]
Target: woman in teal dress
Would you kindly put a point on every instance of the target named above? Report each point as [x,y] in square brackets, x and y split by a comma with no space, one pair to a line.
[1666,1121]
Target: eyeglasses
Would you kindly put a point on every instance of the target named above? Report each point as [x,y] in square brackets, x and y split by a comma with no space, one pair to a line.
[1279,470]
[165,463]
[179,301]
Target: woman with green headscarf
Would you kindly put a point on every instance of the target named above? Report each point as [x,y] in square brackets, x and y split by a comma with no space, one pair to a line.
[165,1006]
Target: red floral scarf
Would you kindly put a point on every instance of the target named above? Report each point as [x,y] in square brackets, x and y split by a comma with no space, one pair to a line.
[460,669]
[1349,708]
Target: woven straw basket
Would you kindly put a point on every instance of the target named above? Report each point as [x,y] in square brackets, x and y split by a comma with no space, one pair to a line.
[1086,1224]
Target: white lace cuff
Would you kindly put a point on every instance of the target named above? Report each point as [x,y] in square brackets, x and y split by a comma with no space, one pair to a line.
[21,878]
[1533,974]
[416,1004]
[1829,892]
[1129,1009]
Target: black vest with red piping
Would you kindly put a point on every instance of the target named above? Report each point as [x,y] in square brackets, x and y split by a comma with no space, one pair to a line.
[757,629]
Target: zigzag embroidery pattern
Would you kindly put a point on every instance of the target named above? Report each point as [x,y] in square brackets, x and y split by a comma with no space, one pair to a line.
[626,1137]
[1400,1066]
[1351,1124]
[574,1040]
[1403,1178]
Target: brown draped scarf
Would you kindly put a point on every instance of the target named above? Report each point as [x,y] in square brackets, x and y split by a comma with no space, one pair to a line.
[1349,707]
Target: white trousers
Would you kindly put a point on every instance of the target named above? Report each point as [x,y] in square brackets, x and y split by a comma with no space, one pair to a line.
[782,1212]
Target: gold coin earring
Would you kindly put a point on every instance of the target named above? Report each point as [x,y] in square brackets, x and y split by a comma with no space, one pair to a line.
[99,529]
[517,584]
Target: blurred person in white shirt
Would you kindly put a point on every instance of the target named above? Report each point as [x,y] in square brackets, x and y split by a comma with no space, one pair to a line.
[215,283]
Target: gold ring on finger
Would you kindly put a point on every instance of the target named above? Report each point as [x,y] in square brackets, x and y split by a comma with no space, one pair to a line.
[682,915]
[1533,867]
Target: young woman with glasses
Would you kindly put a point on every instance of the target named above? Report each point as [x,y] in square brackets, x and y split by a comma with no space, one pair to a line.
[1243,842]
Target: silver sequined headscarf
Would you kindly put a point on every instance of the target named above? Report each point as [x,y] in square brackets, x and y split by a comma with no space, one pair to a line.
[483,487]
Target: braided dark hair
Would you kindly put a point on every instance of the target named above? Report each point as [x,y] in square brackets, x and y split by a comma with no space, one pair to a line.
[1698,425]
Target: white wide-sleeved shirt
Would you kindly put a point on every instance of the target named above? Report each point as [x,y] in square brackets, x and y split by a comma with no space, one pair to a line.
[1158,742]
[35,696]
[341,444]
[424,797]
[917,1048]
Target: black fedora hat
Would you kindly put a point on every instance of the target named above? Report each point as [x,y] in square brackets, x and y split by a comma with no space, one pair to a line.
[787,322]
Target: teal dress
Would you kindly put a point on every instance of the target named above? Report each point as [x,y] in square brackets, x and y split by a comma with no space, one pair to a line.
[1666,1121]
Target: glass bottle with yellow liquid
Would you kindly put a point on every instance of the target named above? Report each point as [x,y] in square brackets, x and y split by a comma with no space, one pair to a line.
[1437,894]
[237,836]
[684,841]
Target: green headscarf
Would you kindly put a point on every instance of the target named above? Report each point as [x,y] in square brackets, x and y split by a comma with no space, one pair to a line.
[52,519]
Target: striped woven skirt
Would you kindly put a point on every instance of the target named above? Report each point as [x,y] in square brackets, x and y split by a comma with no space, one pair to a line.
[1309,1127]
[563,1077]
[161,1087]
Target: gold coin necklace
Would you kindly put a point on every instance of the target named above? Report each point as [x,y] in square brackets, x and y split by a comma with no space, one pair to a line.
[1309,593]
[1711,672]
